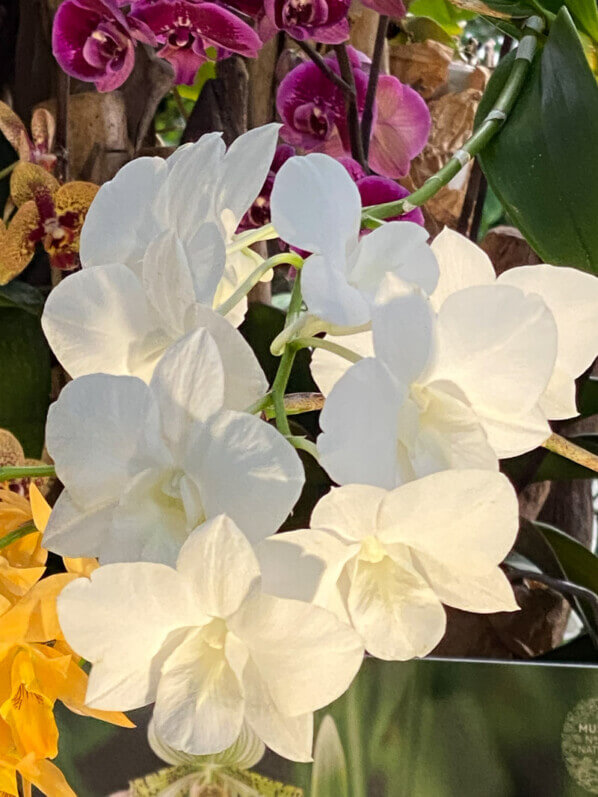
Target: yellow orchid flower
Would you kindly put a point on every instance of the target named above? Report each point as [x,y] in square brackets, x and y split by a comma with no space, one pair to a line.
[48,213]
[37,666]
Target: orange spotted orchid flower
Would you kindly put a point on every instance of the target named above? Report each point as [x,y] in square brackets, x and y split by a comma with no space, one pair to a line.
[47,213]
[34,148]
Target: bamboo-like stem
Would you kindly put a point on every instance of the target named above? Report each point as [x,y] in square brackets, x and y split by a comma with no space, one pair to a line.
[324,67]
[368,110]
[569,450]
[485,132]
[353,124]
[298,403]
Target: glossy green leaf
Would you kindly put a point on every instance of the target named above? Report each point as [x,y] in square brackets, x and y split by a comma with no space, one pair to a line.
[421,29]
[24,377]
[543,164]
[587,397]
[22,296]
[584,12]
[579,564]
[444,13]
[329,772]
[556,468]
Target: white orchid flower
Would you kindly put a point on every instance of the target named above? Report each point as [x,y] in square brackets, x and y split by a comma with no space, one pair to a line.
[457,389]
[209,647]
[386,561]
[144,465]
[316,207]
[154,255]
[570,294]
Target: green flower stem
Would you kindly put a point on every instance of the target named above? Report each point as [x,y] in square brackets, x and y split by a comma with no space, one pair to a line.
[9,472]
[303,444]
[6,171]
[266,233]
[286,364]
[22,531]
[286,258]
[328,345]
[485,132]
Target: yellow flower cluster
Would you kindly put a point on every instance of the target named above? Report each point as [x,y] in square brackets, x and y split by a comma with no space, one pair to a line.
[37,667]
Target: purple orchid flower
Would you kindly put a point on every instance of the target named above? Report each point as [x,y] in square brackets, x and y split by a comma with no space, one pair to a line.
[321,20]
[374,190]
[312,109]
[390,8]
[186,28]
[259,213]
[93,41]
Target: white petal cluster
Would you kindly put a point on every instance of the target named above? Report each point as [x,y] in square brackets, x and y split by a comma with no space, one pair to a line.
[144,465]
[461,379]
[154,255]
[210,648]
[316,207]
[387,561]
[444,370]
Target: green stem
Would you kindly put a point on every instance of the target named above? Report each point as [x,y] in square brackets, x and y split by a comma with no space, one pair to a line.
[286,258]
[484,133]
[304,444]
[286,364]
[6,171]
[266,233]
[260,405]
[22,531]
[328,345]
[9,472]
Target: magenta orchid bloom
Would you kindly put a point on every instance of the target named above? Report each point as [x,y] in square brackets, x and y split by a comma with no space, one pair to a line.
[374,190]
[186,29]
[390,8]
[401,127]
[312,109]
[321,20]
[259,213]
[92,40]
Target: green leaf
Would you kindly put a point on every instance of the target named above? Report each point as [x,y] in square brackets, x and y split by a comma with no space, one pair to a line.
[207,71]
[442,12]
[25,378]
[329,771]
[587,397]
[421,29]
[556,468]
[584,12]
[579,564]
[543,164]
[22,296]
